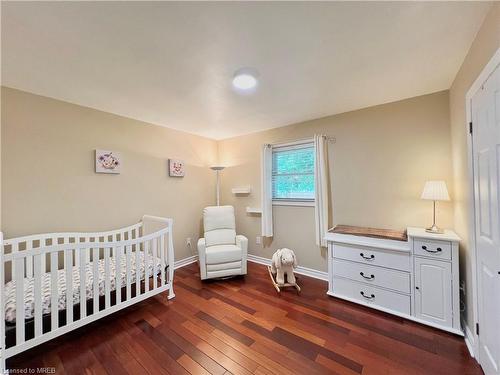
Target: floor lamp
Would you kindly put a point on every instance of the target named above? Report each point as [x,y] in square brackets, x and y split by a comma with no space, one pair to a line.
[217,170]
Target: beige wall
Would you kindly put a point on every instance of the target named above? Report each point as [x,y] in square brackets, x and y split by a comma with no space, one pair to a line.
[486,43]
[381,159]
[48,179]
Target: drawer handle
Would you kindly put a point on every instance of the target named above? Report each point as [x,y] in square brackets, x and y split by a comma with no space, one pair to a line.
[367,258]
[367,297]
[438,250]
[371,277]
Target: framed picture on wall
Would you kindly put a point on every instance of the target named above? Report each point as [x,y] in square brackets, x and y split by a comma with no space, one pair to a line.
[107,162]
[176,168]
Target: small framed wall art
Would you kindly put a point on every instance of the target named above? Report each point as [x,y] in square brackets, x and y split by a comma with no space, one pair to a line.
[107,162]
[176,168]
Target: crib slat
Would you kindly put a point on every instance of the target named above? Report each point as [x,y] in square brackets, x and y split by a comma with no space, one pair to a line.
[87,252]
[146,265]
[162,252]
[43,258]
[54,290]
[137,270]
[19,271]
[95,278]
[68,264]
[118,273]
[14,249]
[155,278]
[83,283]
[107,278]
[38,293]
[128,250]
[29,260]
[170,260]
[77,253]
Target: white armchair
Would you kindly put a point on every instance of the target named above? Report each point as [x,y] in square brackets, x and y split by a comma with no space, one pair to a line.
[222,252]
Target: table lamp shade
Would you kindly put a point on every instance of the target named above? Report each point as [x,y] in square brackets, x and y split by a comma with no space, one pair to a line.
[435,191]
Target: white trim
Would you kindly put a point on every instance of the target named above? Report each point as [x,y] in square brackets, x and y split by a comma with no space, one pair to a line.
[315,274]
[485,73]
[483,76]
[259,260]
[469,339]
[185,262]
[284,202]
[298,142]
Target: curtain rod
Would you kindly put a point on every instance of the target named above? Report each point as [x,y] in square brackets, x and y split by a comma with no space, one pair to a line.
[300,141]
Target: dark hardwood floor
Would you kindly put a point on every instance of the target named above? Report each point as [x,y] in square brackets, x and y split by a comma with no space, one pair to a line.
[242,326]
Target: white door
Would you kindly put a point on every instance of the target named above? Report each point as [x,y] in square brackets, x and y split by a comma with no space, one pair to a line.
[433,291]
[486,152]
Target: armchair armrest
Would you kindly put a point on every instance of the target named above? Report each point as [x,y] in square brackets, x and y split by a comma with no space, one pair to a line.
[242,243]
[202,258]
[201,245]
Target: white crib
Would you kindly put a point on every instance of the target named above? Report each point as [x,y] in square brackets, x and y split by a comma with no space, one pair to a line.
[71,279]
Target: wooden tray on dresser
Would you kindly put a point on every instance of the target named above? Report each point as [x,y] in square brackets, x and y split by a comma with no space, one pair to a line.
[387,234]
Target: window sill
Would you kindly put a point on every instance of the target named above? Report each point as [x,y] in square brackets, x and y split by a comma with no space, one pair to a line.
[293,203]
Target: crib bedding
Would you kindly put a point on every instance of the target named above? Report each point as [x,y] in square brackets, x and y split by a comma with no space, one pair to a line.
[29,301]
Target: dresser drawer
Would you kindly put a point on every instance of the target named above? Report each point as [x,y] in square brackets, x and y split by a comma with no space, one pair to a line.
[377,276]
[433,249]
[371,295]
[378,257]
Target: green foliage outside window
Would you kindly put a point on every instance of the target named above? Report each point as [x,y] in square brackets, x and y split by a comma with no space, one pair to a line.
[293,173]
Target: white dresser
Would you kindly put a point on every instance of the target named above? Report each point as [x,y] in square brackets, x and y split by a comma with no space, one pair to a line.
[415,276]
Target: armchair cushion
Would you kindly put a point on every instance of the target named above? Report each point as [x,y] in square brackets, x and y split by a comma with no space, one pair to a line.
[220,237]
[222,254]
[219,225]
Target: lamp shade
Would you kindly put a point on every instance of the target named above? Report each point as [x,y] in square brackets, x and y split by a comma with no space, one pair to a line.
[217,168]
[435,191]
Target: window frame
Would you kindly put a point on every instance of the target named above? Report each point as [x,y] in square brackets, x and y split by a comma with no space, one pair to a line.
[300,202]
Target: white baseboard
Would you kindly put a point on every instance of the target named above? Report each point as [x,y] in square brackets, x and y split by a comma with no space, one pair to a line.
[261,260]
[186,261]
[469,339]
[299,270]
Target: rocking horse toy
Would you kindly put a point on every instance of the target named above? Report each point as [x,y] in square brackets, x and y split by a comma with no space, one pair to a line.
[281,269]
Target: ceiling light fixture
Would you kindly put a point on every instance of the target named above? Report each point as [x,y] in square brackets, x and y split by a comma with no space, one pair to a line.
[245,79]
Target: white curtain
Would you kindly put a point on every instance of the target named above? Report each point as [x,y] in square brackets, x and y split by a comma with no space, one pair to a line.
[267,191]
[321,191]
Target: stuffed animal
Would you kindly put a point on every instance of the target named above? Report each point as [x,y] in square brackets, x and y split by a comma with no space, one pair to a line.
[283,263]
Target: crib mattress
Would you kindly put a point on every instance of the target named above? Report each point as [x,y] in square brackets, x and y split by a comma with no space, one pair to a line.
[29,285]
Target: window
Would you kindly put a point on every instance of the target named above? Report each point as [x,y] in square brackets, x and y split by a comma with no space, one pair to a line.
[293,173]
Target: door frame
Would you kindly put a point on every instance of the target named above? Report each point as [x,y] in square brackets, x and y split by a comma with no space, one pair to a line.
[472,338]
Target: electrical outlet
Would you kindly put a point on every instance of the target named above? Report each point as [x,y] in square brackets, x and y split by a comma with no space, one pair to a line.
[258,240]
[188,242]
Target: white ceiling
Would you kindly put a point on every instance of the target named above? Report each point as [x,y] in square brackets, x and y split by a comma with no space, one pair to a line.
[172,63]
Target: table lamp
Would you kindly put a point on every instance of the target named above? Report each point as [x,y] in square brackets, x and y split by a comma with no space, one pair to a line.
[435,191]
